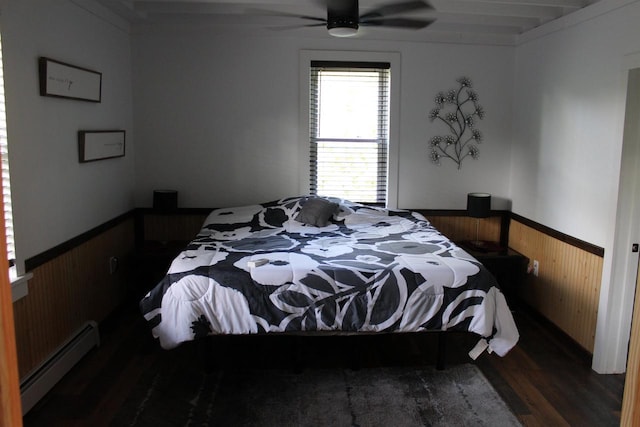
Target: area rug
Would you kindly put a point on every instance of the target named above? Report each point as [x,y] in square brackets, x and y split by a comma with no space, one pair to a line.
[178,394]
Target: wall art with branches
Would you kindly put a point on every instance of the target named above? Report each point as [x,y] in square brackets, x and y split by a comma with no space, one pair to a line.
[458,109]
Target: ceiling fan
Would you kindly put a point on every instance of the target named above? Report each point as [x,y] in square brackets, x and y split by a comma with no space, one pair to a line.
[343,16]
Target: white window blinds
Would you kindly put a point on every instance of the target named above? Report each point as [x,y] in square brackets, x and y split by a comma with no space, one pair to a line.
[349,122]
[6,182]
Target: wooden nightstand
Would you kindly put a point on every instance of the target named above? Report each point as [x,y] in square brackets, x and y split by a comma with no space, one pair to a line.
[507,266]
[150,263]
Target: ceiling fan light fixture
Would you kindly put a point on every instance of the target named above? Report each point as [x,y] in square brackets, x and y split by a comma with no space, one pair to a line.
[342,18]
[343,31]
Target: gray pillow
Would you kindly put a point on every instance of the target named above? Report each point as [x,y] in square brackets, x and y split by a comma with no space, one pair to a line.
[317,212]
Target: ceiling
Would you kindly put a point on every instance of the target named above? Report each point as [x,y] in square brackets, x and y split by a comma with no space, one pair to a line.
[480,21]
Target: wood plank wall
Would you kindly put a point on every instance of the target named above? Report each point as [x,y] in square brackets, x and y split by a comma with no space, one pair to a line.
[567,289]
[70,289]
[459,228]
[172,227]
[631,399]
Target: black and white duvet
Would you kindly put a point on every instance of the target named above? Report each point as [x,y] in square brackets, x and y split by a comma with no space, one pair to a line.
[369,270]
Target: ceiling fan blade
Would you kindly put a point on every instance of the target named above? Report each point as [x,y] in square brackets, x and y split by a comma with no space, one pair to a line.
[262,12]
[313,18]
[295,27]
[414,24]
[397,8]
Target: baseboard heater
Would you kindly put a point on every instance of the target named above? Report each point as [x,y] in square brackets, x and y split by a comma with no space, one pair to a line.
[46,375]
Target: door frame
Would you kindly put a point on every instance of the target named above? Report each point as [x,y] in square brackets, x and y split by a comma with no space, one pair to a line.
[10,404]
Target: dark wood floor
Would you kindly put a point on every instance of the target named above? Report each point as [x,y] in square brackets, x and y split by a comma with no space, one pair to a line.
[545,379]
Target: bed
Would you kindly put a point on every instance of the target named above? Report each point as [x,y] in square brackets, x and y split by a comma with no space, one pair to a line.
[306,265]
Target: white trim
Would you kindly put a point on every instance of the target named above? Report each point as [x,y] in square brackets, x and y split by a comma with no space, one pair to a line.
[306,56]
[19,284]
[587,13]
[42,379]
[105,14]
[615,309]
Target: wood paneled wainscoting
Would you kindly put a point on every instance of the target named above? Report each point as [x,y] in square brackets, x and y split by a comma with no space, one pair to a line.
[567,288]
[71,284]
[457,226]
[181,225]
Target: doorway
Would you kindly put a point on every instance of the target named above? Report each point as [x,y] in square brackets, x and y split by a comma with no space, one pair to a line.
[626,265]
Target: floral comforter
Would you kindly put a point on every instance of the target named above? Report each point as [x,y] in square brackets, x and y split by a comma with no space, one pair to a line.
[255,269]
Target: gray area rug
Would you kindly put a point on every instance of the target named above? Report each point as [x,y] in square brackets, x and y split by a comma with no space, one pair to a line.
[175,395]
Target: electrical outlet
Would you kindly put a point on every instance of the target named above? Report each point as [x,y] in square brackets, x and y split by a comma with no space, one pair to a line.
[536,266]
[114,263]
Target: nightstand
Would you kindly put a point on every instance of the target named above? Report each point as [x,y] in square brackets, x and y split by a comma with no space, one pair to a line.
[507,266]
[150,263]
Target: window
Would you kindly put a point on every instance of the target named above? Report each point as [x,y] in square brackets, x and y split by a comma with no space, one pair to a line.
[4,159]
[349,122]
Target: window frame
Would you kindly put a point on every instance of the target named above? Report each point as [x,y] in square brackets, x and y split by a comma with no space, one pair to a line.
[393,58]
[6,180]
[17,277]
[341,142]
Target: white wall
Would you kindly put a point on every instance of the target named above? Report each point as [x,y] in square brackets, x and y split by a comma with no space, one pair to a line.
[217,116]
[569,100]
[426,70]
[568,104]
[56,198]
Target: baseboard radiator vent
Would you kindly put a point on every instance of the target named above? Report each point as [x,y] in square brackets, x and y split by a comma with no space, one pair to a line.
[46,375]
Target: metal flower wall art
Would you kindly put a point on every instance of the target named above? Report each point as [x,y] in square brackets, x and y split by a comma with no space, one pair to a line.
[458,110]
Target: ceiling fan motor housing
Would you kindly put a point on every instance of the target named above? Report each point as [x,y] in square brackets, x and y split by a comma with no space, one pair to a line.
[342,14]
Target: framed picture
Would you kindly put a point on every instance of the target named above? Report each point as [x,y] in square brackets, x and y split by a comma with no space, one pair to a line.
[100,144]
[68,81]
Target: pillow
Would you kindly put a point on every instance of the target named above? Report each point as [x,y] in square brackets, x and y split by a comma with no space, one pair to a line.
[342,212]
[317,212]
